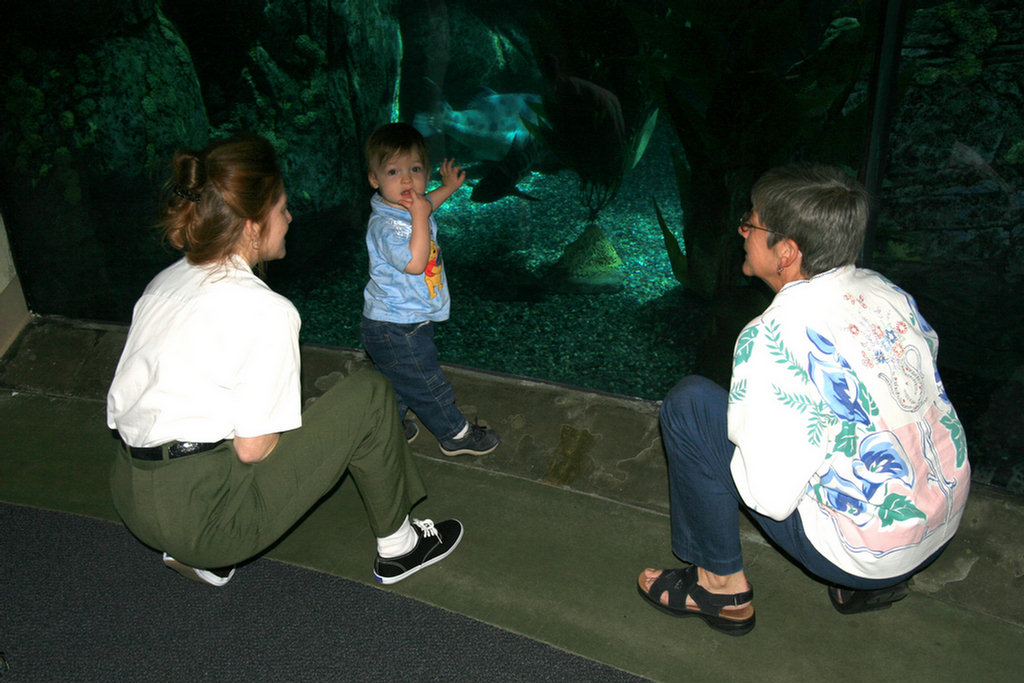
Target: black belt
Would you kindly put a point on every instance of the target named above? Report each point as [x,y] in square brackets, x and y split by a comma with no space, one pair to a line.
[175,449]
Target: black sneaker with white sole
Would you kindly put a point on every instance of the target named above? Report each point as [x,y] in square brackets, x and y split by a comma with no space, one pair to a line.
[436,542]
[479,440]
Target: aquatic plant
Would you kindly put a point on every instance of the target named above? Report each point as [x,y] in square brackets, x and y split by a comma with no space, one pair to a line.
[740,103]
[582,124]
[596,118]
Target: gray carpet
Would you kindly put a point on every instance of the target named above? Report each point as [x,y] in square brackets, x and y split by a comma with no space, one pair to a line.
[82,600]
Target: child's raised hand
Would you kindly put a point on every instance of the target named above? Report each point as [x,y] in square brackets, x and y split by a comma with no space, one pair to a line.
[452,176]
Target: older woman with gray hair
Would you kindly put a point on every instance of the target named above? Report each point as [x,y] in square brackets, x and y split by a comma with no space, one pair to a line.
[836,434]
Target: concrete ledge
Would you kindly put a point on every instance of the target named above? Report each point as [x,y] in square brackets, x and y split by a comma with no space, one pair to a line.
[565,437]
[610,446]
[982,570]
[596,443]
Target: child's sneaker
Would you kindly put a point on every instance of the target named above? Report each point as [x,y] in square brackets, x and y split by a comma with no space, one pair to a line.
[411,430]
[435,544]
[478,441]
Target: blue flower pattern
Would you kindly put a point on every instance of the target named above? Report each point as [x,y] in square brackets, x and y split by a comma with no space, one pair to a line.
[842,494]
[880,461]
[834,378]
[870,479]
[880,458]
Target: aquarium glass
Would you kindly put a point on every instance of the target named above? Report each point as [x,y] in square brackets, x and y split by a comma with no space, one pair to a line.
[609,148]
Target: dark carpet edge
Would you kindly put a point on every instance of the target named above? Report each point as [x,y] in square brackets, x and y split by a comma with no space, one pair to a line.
[81,599]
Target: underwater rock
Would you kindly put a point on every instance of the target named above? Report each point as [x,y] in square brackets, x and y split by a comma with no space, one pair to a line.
[590,264]
[460,46]
[88,127]
[322,77]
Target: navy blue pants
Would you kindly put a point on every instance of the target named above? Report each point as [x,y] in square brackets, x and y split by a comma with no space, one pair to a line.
[406,355]
[705,504]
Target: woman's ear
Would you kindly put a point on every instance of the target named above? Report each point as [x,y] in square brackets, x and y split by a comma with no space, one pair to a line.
[791,254]
[252,230]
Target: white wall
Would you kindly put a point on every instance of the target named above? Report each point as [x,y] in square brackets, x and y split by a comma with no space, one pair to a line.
[13,312]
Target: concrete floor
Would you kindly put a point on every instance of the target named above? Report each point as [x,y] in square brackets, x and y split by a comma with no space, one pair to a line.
[560,520]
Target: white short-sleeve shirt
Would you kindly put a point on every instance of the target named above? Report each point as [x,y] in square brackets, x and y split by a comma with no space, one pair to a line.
[212,353]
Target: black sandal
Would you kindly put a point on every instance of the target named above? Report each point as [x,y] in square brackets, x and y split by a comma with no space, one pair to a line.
[680,583]
[849,601]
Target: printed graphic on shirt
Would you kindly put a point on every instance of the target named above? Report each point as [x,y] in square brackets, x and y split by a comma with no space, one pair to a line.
[882,337]
[888,486]
[432,273]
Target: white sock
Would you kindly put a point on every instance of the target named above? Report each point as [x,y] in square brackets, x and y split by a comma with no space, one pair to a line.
[398,543]
[465,430]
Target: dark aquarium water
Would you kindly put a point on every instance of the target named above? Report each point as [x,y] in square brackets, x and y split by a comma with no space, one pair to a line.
[610,148]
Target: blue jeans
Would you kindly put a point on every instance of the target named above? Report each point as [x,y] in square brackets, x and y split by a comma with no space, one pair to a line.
[705,504]
[406,355]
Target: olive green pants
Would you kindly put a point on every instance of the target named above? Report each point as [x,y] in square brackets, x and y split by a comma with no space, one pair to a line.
[213,510]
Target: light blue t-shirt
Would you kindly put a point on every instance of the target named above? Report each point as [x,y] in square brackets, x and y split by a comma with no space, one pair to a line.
[393,295]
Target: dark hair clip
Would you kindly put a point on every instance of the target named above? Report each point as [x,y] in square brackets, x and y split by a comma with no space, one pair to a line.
[186,194]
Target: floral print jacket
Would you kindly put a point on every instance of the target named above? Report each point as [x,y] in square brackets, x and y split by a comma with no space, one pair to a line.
[838,413]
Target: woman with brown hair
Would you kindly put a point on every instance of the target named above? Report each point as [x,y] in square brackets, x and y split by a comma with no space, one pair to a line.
[216,459]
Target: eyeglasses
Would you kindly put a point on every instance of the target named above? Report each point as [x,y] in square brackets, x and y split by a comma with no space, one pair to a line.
[746,226]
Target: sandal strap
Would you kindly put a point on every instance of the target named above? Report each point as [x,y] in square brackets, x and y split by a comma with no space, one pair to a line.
[671,581]
[679,583]
[712,603]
